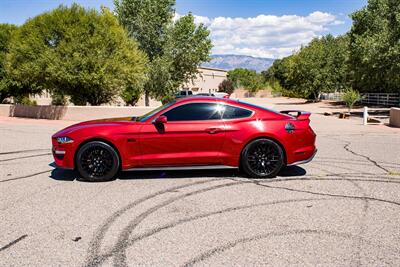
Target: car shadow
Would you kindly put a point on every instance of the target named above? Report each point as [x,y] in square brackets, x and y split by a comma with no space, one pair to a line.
[64,175]
[70,175]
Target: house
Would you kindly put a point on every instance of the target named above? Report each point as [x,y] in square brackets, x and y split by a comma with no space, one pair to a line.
[206,81]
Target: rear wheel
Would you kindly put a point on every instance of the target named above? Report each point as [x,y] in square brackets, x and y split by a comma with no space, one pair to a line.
[262,158]
[97,161]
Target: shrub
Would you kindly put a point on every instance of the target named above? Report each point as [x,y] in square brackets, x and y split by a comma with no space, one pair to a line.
[58,99]
[226,86]
[350,97]
[25,100]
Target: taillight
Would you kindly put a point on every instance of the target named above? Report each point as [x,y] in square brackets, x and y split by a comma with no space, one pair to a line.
[226,96]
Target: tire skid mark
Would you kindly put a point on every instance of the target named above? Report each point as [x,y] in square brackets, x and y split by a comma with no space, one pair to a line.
[383,177]
[362,224]
[322,169]
[220,249]
[348,168]
[24,177]
[173,224]
[362,163]
[25,157]
[123,239]
[13,242]
[350,161]
[24,151]
[345,174]
[121,244]
[117,249]
[95,243]
[326,194]
[359,174]
[389,181]
[95,259]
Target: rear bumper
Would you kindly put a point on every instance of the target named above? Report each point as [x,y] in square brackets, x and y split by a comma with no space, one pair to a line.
[304,160]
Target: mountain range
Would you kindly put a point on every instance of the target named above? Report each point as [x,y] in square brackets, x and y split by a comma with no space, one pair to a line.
[229,62]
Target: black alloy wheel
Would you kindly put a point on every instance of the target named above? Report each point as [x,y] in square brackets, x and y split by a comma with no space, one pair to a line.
[97,161]
[262,158]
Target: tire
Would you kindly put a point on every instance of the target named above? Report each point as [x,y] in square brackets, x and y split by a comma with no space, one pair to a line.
[97,161]
[262,158]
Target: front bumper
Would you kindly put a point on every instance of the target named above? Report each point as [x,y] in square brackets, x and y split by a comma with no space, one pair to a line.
[54,165]
[63,155]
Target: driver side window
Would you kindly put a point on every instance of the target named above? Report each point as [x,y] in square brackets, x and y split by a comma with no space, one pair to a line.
[194,112]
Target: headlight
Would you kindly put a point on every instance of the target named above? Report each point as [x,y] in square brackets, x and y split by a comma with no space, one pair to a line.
[64,140]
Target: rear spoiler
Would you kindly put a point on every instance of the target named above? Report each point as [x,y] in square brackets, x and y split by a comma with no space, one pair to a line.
[299,115]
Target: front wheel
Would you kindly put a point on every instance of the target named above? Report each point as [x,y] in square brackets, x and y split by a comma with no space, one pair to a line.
[262,158]
[97,161]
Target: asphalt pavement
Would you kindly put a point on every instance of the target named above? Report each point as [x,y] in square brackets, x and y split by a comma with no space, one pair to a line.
[342,209]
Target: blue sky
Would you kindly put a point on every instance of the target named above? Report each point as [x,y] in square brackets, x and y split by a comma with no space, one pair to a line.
[265,28]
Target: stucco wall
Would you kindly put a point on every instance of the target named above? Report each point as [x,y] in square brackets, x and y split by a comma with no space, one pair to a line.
[242,93]
[206,81]
[72,113]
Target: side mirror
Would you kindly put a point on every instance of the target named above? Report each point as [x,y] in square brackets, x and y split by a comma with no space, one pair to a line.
[160,120]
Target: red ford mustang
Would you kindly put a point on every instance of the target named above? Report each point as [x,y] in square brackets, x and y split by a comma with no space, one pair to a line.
[198,132]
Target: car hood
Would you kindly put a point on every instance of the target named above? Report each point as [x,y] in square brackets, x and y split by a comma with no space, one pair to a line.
[96,123]
[101,121]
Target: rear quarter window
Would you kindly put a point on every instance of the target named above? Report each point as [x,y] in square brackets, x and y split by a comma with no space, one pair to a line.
[231,112]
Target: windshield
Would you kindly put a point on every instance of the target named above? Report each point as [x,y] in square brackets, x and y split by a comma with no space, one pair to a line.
[154,111]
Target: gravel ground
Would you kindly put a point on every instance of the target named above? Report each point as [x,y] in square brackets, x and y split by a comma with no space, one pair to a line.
[340,209]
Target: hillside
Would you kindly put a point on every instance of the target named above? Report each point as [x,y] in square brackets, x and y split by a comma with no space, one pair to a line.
[229,62]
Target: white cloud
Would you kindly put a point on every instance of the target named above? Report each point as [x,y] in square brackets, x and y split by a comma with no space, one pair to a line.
[265,35]
[337,22]
[201,19]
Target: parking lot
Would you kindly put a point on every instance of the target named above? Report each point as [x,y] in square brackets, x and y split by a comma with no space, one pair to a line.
[343,208]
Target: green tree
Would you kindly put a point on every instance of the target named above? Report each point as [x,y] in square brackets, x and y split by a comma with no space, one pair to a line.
[280,72]
[375,47]
[226,86]
[78,52]
[175,49]
[8,87]
[319,66]
[248,79]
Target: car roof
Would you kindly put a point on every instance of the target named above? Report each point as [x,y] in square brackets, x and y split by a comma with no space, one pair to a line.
[206,98]
[227,101]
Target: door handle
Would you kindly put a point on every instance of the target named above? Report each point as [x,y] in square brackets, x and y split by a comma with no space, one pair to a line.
[213,130]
